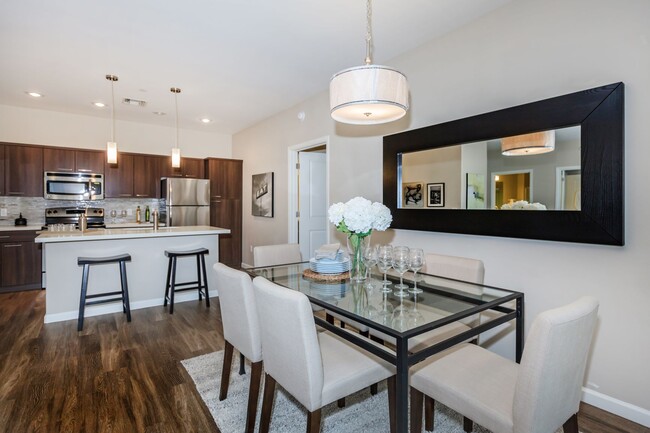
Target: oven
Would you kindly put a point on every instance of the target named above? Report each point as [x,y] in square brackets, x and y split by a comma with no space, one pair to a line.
[73,186]
[64,219]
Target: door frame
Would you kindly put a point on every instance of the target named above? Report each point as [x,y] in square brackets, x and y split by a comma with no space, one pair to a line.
[293,182]
[498,173]
[559,183]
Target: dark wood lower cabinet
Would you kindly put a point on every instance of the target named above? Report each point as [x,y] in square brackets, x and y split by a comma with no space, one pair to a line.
[227,214]
[20,261]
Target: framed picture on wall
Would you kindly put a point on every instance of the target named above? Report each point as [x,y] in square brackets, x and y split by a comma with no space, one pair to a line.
[475,191]
[413,194]
[436,194]
[262,197]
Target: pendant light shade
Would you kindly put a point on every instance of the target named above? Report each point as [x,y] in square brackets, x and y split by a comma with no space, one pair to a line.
[368,94]
[111,146]
[528,144]
[176,151]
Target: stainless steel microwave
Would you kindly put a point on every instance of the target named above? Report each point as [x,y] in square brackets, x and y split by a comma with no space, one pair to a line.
[73,186]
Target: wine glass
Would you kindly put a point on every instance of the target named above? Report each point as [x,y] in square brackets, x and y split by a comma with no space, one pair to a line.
[384,263]
[416,261]
[370,257]
[401,265]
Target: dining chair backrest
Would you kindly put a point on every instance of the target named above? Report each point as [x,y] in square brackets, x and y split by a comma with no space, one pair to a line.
[549,382]
[269,255]
[291,350]
[238,311]
[458,268]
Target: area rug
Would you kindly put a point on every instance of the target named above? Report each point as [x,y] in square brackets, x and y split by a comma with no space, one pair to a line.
[362,413]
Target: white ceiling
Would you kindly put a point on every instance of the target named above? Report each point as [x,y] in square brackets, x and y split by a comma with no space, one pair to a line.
[236,61]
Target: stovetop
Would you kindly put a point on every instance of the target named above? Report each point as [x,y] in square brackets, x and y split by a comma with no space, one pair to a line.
[68,215]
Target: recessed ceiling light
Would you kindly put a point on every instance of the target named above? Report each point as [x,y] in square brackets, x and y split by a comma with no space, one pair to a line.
[35,94]
[159,113]
[99,104]
[205,120]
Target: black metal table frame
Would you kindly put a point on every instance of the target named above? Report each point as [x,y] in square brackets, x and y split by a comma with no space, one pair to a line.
[403,359]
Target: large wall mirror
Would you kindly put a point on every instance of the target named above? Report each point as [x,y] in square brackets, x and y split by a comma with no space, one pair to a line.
[550,170]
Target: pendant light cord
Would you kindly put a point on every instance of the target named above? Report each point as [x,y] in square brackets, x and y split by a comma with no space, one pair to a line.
[368,31]
[176,103]
[112,110]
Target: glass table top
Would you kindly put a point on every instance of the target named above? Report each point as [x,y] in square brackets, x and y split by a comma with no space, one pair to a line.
[442,301]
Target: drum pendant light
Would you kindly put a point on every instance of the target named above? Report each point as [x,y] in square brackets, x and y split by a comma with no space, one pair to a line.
[111,146]
[528,144]
[176,151]
[368,94]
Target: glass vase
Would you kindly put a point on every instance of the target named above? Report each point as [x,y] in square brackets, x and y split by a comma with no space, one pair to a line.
[356,245]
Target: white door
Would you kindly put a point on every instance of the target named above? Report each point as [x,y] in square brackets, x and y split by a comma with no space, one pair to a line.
[312,197]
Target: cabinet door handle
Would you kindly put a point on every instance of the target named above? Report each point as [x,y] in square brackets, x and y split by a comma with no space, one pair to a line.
[64,169]
[216,196]
[142,195]
[12,245]
[85,170]
[216,201]
[16,193]
[3,237]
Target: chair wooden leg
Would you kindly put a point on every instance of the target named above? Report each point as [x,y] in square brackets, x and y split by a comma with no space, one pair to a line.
[267,404]
[416,410]
[225,371]
[392,403]
[340,402]
[468,425]
[571,425]
[253,395]
[313,421]
[242,363]
[373,389]
[429,412]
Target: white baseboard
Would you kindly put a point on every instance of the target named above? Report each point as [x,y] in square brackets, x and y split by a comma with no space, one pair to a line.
[96,310]
[636,414]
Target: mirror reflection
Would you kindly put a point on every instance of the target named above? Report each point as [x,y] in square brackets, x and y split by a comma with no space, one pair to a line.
[537,171]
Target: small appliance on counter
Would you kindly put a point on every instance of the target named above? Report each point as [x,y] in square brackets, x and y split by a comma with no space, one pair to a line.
[20,221]
[71,215]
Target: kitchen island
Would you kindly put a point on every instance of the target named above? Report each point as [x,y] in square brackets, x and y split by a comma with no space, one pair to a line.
[146,272]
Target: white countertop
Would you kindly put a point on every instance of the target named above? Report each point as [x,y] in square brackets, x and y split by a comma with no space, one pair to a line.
[17,228]
[126,233]
[130,225]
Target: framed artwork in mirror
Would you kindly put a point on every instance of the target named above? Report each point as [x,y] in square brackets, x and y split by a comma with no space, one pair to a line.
[412,194]
[588,125]
[435,195]
[262,197]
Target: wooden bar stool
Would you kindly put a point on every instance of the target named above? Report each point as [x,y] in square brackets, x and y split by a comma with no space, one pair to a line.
[86,262]
[201,283]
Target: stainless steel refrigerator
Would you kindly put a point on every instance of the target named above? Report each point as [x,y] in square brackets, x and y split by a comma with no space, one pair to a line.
[187,201]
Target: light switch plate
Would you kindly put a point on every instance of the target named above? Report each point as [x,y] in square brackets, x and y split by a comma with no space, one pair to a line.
[3,211]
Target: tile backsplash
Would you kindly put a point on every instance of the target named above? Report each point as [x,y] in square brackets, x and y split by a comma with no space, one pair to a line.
[33,208]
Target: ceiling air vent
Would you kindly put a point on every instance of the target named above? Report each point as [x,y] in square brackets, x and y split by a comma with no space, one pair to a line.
[135,102]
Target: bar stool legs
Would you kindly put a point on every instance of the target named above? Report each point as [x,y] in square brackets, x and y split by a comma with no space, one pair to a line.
[123,293]
[201,283]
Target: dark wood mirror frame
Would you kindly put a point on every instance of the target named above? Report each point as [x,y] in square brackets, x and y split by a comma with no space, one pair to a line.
[600,114]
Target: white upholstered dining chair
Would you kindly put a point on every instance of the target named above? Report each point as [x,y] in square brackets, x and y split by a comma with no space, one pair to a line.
[537,396]
[280,254]
[317,368]
[241,330]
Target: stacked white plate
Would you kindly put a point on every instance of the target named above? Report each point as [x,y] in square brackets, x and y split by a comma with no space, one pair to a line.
[328,266]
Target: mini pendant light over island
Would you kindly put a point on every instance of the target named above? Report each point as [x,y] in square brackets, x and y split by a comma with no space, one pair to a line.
[176,151]
[111,146]
[368,94]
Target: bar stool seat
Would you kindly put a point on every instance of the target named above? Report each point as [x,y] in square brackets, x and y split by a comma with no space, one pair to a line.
[201,283]
[123,293]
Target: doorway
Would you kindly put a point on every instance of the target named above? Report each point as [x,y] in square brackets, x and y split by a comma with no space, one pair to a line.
[511,186]
[309,195]
[568,188]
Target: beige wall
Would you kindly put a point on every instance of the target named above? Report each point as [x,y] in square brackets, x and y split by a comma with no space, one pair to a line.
[527,51]
[52,128]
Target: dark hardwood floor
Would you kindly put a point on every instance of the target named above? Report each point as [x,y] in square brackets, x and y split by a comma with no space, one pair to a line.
[119,377]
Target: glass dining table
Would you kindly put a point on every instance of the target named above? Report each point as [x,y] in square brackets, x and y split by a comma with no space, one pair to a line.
[443,302]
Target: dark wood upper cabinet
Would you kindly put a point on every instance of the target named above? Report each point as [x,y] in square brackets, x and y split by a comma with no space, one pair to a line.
[2,165]
[23,171]
[58,159]
[118,178]
[192,167]
[89,161]
[146,175]
[225,177]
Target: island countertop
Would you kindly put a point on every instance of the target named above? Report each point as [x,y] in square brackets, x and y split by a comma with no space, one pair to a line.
[128,233]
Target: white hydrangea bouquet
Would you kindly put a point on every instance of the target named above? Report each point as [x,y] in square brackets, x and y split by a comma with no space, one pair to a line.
[357,218]
[523,205]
